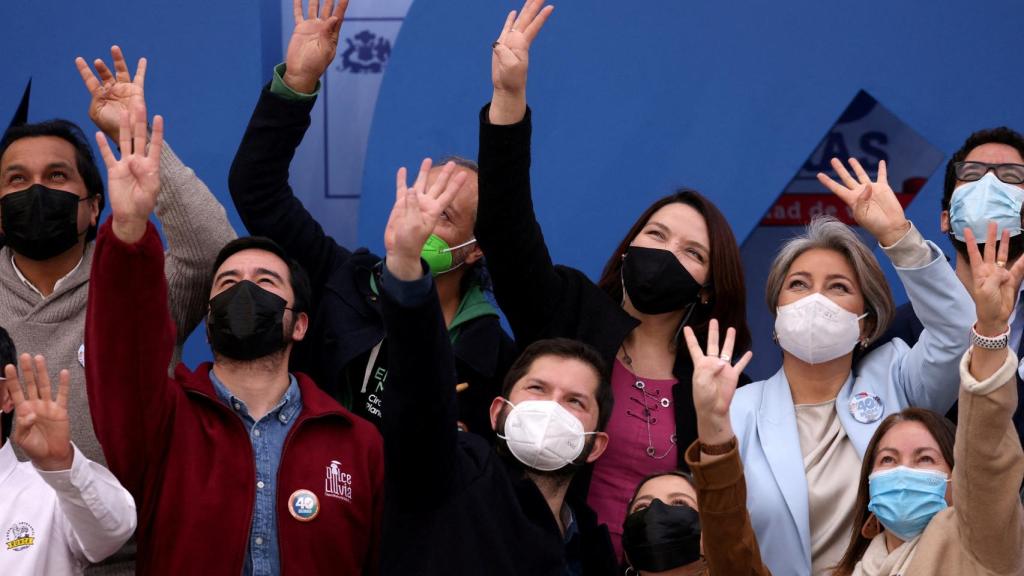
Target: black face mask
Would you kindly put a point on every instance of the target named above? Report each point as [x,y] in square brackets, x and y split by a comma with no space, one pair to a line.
[656,282]
[39,222]
[662,537]
[246,322]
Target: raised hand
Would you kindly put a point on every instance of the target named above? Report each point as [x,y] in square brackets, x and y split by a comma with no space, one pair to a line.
[714,382]
[313,44]
[415,214]
[510,58]
[41,425]
[994,287]
[874,204]
[133,182]
[114,93]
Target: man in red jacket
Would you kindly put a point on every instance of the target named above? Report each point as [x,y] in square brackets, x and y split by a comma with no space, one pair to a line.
[238,467]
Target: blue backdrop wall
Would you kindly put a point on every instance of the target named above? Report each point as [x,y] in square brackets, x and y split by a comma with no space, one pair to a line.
[630,99]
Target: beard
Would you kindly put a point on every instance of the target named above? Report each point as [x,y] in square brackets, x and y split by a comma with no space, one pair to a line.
[557,477]
[267,363]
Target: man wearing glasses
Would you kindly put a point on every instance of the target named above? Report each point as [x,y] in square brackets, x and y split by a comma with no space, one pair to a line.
[984,182]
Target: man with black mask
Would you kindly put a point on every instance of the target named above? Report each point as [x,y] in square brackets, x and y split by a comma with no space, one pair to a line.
[51,198]
[239,467]
[465,507]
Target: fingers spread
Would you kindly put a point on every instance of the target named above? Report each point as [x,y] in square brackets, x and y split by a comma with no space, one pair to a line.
[125,133]
[140,73]
[973,256]
[1003,254]
[120,66]
[534,28]
[713,337]
[156,143]
[106,76]
[63,385]
[843,174]
[742,364]
[13,385]
[91,82]
[297,10]
[990,243]
[42,378]
[28,374]
[883,173]
[401,184]
[862,175]
[421,179]
[105,152]
[692,345]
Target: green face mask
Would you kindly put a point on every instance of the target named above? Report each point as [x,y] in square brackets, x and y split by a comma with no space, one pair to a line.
[438,255]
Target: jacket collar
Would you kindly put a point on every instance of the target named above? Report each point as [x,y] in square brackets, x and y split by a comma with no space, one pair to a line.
[780,441]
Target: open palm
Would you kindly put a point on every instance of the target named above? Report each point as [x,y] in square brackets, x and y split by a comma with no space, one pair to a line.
[874,204]
[314,40]
[418,209]
[114,93]
[511,54]
[133,181]
[994,287]
[42,428]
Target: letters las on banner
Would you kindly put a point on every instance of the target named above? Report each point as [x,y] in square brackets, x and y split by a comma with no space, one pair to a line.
[866,130]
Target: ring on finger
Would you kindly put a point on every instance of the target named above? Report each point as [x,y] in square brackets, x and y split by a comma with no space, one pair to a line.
[725,357]
[1000,263]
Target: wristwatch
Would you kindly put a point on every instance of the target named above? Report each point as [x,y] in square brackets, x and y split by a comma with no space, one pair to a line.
[997,343]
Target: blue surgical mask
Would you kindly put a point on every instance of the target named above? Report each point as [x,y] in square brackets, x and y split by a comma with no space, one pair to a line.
[976,203]
[905,499]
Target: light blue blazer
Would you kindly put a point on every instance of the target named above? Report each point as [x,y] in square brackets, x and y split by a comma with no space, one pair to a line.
[764,418]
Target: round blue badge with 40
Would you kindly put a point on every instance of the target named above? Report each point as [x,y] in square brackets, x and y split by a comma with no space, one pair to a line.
[303,505]
[866,408]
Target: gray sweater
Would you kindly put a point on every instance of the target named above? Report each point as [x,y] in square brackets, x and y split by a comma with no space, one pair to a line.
[195,227]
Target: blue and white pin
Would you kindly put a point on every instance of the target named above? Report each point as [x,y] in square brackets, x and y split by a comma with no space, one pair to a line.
[866,408]
[304,505]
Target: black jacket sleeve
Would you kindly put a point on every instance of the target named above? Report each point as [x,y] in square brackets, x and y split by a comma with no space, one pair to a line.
[258,182]
[527,285]
[420,442]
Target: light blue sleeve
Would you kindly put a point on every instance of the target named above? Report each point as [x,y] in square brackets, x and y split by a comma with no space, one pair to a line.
[928,376]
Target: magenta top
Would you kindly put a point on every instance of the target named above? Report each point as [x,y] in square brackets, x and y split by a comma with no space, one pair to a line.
[642,441]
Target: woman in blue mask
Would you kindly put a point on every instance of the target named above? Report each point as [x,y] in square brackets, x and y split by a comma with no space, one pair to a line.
[916,512]
[803,432]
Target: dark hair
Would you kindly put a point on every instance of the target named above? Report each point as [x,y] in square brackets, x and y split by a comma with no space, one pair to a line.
[1000,135]
[942,431]
[8,355]
[636,491]
[84,159]
[574,350]
[461,162]
[728,298]
[299,280]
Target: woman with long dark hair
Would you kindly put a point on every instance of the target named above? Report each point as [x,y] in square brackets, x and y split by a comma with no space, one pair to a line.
[677,266]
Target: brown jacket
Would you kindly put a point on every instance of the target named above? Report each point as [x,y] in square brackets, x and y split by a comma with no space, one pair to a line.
[983,533]
[730,546]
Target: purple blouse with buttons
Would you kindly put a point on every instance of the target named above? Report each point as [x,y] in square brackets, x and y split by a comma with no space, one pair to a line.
[642,441]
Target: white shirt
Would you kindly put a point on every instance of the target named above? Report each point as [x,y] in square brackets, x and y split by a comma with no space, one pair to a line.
[55,285]
[58,522]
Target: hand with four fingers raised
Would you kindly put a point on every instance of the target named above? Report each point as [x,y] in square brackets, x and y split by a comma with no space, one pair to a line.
[993,286]
[133,181]
[414,216]
[714,382]
[874,204]
[510,58]
[41,425]
[313,44]
[114,93]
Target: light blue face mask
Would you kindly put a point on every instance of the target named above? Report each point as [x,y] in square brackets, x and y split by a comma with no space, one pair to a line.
[976,203]
[905,499]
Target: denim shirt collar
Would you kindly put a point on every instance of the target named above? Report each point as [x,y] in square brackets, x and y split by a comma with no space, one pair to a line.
[286,409]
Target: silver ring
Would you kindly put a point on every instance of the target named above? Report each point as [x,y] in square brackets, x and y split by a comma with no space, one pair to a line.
[725,357]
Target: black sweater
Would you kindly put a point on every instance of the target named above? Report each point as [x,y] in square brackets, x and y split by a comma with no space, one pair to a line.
[452,504]
[346,320]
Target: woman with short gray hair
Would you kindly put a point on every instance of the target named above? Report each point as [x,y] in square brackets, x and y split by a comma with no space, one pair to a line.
[802,433]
